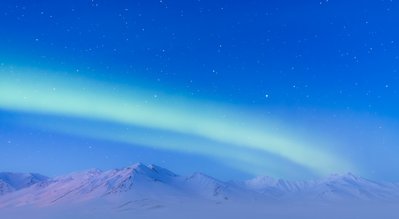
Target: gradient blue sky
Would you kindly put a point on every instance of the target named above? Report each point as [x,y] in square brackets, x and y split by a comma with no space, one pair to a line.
[292,89]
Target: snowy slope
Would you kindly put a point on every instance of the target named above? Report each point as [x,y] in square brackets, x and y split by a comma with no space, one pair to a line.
[10,182]
[5,188]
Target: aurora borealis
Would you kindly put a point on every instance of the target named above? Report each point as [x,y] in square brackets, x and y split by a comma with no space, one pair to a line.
[59,97]
[237,91]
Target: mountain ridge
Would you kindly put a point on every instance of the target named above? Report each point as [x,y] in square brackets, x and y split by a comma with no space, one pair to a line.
[156,184]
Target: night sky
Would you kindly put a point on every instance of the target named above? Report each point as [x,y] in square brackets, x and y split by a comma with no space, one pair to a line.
[235,89]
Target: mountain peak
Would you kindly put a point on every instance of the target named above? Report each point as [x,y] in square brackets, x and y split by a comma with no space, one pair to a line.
[137,165]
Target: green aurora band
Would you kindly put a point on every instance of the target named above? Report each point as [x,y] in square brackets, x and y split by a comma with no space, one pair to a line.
[52,93]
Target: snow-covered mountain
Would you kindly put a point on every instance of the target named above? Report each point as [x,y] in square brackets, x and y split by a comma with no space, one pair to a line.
[152,186]
[10,182]
[137,182]
[334,188]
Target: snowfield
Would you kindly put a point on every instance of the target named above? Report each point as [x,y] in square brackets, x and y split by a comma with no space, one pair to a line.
[150,191]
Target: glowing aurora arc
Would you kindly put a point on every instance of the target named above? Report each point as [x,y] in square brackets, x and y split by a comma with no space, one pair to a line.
[35,92]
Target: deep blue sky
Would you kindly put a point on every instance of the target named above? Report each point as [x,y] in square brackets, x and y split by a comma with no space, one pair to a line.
[325,72]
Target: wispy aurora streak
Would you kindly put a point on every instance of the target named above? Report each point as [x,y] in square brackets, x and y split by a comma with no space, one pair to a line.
[50,93]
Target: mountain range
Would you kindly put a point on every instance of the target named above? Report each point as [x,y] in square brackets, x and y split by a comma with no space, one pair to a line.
[151,186]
